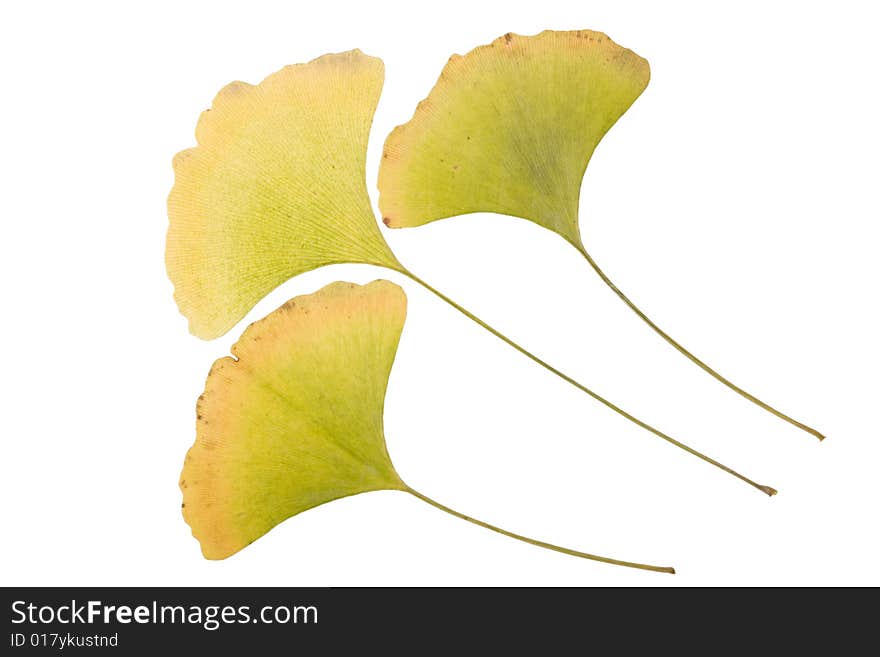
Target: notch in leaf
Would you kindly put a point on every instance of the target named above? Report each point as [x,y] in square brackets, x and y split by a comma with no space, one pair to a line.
[510,128]
[277,187]
[295,420]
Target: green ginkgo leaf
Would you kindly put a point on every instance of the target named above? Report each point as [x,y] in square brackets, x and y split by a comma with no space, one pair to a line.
[510,128]
[277,187]
[295,419]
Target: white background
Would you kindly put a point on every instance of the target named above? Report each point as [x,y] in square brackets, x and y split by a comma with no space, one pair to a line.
[736,203]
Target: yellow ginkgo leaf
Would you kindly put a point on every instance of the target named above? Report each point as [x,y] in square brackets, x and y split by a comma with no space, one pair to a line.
[276,187]
[295,419]
[510,128]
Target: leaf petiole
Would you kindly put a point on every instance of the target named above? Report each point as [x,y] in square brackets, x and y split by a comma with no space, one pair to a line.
[688,354]
[767,490]
[541,544]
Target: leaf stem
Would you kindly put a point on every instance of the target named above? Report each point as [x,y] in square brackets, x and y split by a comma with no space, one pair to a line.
[542,544]
[767,490]
[689,355]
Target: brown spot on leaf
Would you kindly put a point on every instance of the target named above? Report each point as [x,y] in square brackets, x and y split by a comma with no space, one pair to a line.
[386,221]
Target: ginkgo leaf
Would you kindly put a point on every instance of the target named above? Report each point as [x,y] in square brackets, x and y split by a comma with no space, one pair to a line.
[276,187]
[295,419]
[510,128]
